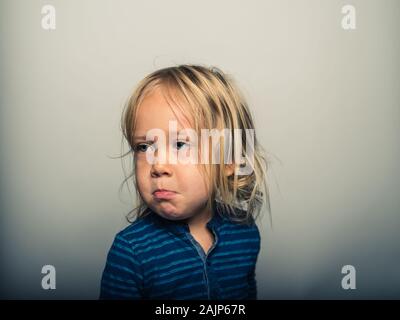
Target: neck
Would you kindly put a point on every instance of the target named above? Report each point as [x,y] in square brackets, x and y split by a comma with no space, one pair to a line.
[199,220]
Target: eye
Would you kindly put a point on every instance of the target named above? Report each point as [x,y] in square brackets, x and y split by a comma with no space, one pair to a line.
[141,147]
[181,144]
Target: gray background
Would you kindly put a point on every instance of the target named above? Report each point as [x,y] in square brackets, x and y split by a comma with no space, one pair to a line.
[327,109]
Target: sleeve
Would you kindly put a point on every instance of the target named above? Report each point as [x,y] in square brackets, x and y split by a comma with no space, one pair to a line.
[252,274]
[122,276]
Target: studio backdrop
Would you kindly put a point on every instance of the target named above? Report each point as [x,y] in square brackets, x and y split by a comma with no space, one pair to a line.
[322,79]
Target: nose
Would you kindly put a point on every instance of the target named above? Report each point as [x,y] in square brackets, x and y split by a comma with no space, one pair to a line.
[159,170]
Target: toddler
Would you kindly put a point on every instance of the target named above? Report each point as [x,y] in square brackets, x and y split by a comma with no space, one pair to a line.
[200,177]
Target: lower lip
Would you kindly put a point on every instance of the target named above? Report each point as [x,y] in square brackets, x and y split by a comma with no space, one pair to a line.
[164,195]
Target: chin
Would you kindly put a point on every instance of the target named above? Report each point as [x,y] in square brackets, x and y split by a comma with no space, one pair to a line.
[170,212]
[171,215]
[172,218]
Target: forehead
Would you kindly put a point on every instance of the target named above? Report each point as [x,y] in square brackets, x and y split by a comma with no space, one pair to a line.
[155,111]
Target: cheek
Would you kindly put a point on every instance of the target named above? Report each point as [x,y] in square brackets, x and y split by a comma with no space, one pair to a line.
[195,182]
[142,179]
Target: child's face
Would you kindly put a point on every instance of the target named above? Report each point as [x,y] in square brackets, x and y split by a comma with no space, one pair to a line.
[189,196]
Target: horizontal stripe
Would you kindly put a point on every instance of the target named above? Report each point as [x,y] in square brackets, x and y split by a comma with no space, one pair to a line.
[137,229]
[233,276]
[117,278]
[119,286]
[235,287]
[233,252]
[123,247]
[191,285]
[157,246]
[189,266]
[120,238]
[226,260]
[170,253]
[125,269]
[147,235]
[178,287]
[155,260]
[169,265]
[225,243]
[235,231]
[238,265]
[125,256]
[146,243]
[184,275]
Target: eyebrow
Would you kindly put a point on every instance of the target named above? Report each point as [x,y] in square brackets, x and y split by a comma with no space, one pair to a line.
[143,137]
[136,138]
[139,137]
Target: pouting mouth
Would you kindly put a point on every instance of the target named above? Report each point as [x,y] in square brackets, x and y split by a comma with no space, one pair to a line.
[163,194]
[163,190]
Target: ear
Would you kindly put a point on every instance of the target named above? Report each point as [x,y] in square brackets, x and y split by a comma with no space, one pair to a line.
[229,169]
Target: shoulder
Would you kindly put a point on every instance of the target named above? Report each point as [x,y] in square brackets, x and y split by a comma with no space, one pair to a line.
[239,222]
[139,230]
[237,229]
[239,238]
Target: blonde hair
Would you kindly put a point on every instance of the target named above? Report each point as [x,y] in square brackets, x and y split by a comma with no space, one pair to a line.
[213,101]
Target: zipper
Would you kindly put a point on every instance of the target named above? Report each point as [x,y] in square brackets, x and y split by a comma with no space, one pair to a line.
[205,261]
[204,256]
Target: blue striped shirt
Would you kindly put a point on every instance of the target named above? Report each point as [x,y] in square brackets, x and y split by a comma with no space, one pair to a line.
[155,258]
